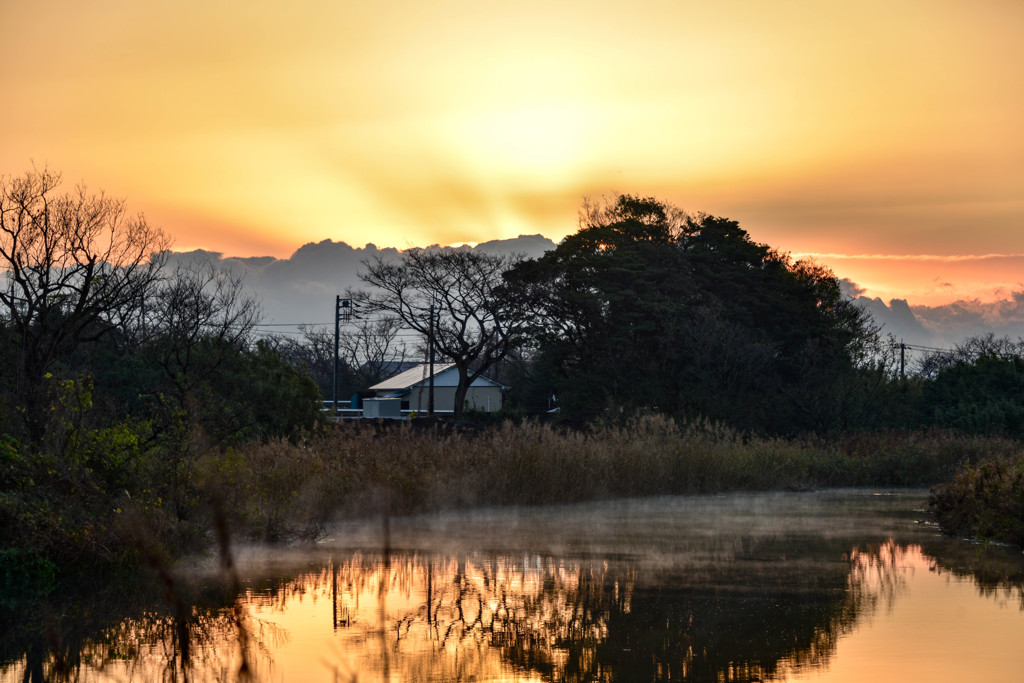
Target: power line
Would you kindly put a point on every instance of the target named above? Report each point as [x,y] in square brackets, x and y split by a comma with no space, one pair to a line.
[296,333]
[919,347]
[407,334]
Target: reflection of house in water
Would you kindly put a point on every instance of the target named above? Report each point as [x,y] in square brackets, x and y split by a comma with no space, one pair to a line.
[410,390]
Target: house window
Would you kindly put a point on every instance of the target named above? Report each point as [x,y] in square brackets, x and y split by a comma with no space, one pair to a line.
[405,405]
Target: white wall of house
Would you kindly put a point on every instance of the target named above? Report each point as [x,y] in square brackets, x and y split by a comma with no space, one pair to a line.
[413,388]
[419,398]
[486,398]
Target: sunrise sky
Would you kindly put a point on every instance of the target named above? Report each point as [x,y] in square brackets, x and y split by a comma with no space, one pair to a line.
[885,137]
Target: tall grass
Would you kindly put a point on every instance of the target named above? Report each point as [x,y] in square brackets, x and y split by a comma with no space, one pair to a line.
[281,490]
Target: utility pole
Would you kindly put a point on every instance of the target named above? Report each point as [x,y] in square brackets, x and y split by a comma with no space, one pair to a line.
[342,312]
[903,362]
[430,395]
[337,337]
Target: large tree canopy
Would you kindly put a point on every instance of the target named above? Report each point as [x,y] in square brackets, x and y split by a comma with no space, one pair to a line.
[647,307]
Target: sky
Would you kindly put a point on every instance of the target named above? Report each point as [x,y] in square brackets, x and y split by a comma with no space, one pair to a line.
[881,138]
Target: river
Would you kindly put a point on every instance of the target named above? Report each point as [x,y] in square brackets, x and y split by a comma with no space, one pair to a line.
[847,585]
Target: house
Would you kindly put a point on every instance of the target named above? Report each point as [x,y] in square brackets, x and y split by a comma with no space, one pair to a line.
[412,387]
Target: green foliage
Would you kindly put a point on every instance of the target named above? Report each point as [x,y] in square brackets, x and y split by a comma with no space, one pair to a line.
[980,396]
[24,575]
[985,500]
[257,395]
[114,453]
[121,459]
[647,308]
[9,448]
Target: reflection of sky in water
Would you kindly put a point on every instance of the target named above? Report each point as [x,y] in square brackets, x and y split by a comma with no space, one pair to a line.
[895,619]
[839,586]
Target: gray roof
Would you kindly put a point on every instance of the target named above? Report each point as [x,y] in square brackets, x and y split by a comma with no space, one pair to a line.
[445,375]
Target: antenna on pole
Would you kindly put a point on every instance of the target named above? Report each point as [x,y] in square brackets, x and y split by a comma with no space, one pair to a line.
[430,394]
[342,313]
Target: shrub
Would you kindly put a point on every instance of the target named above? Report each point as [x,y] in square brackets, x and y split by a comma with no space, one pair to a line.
[24,575]
[983,501]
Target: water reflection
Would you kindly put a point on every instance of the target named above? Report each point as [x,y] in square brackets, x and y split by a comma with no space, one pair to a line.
[755,601]
[448,618]
[997,572]
[136,631]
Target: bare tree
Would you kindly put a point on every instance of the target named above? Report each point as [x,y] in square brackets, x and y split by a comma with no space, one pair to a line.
[367,351]
[198,307]
[969,351]
[474,326]
[372,348]
[312,353]
[75,267]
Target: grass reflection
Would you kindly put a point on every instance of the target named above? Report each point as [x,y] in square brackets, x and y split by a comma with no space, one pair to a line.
[747,603]
[997,571]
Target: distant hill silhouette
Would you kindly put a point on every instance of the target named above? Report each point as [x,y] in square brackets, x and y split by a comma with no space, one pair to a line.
[302,287]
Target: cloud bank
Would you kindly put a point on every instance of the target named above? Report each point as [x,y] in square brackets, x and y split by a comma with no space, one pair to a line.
[946,325]
[300,290]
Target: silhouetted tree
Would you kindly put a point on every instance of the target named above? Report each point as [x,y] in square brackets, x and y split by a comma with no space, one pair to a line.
[75,267]
[368,351]
[968,351]
[475,325]
[312,354]
[373,349]
[647,307]
[983,395]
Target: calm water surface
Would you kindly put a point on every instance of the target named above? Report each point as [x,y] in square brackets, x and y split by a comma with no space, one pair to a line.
[824,586]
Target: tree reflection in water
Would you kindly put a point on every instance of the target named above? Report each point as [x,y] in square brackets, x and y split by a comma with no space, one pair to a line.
[997,572]
[744,608]
[130,633]
[577,621]
[762,615]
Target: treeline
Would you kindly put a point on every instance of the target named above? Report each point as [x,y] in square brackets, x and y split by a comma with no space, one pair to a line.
[121,379]
[649,309]
[139,412]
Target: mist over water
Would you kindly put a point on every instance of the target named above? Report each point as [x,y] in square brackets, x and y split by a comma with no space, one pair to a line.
[835,585]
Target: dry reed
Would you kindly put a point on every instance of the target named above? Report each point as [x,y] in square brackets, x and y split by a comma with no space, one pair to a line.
[285,490]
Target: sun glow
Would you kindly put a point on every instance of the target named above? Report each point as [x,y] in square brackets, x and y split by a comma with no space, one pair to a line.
[536,143]
[251,128]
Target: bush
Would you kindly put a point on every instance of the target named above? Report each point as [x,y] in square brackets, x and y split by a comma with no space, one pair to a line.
[983,501]
[24,575]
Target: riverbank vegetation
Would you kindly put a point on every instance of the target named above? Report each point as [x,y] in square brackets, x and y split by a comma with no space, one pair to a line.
[984,500]
[285,490]
[140,414]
